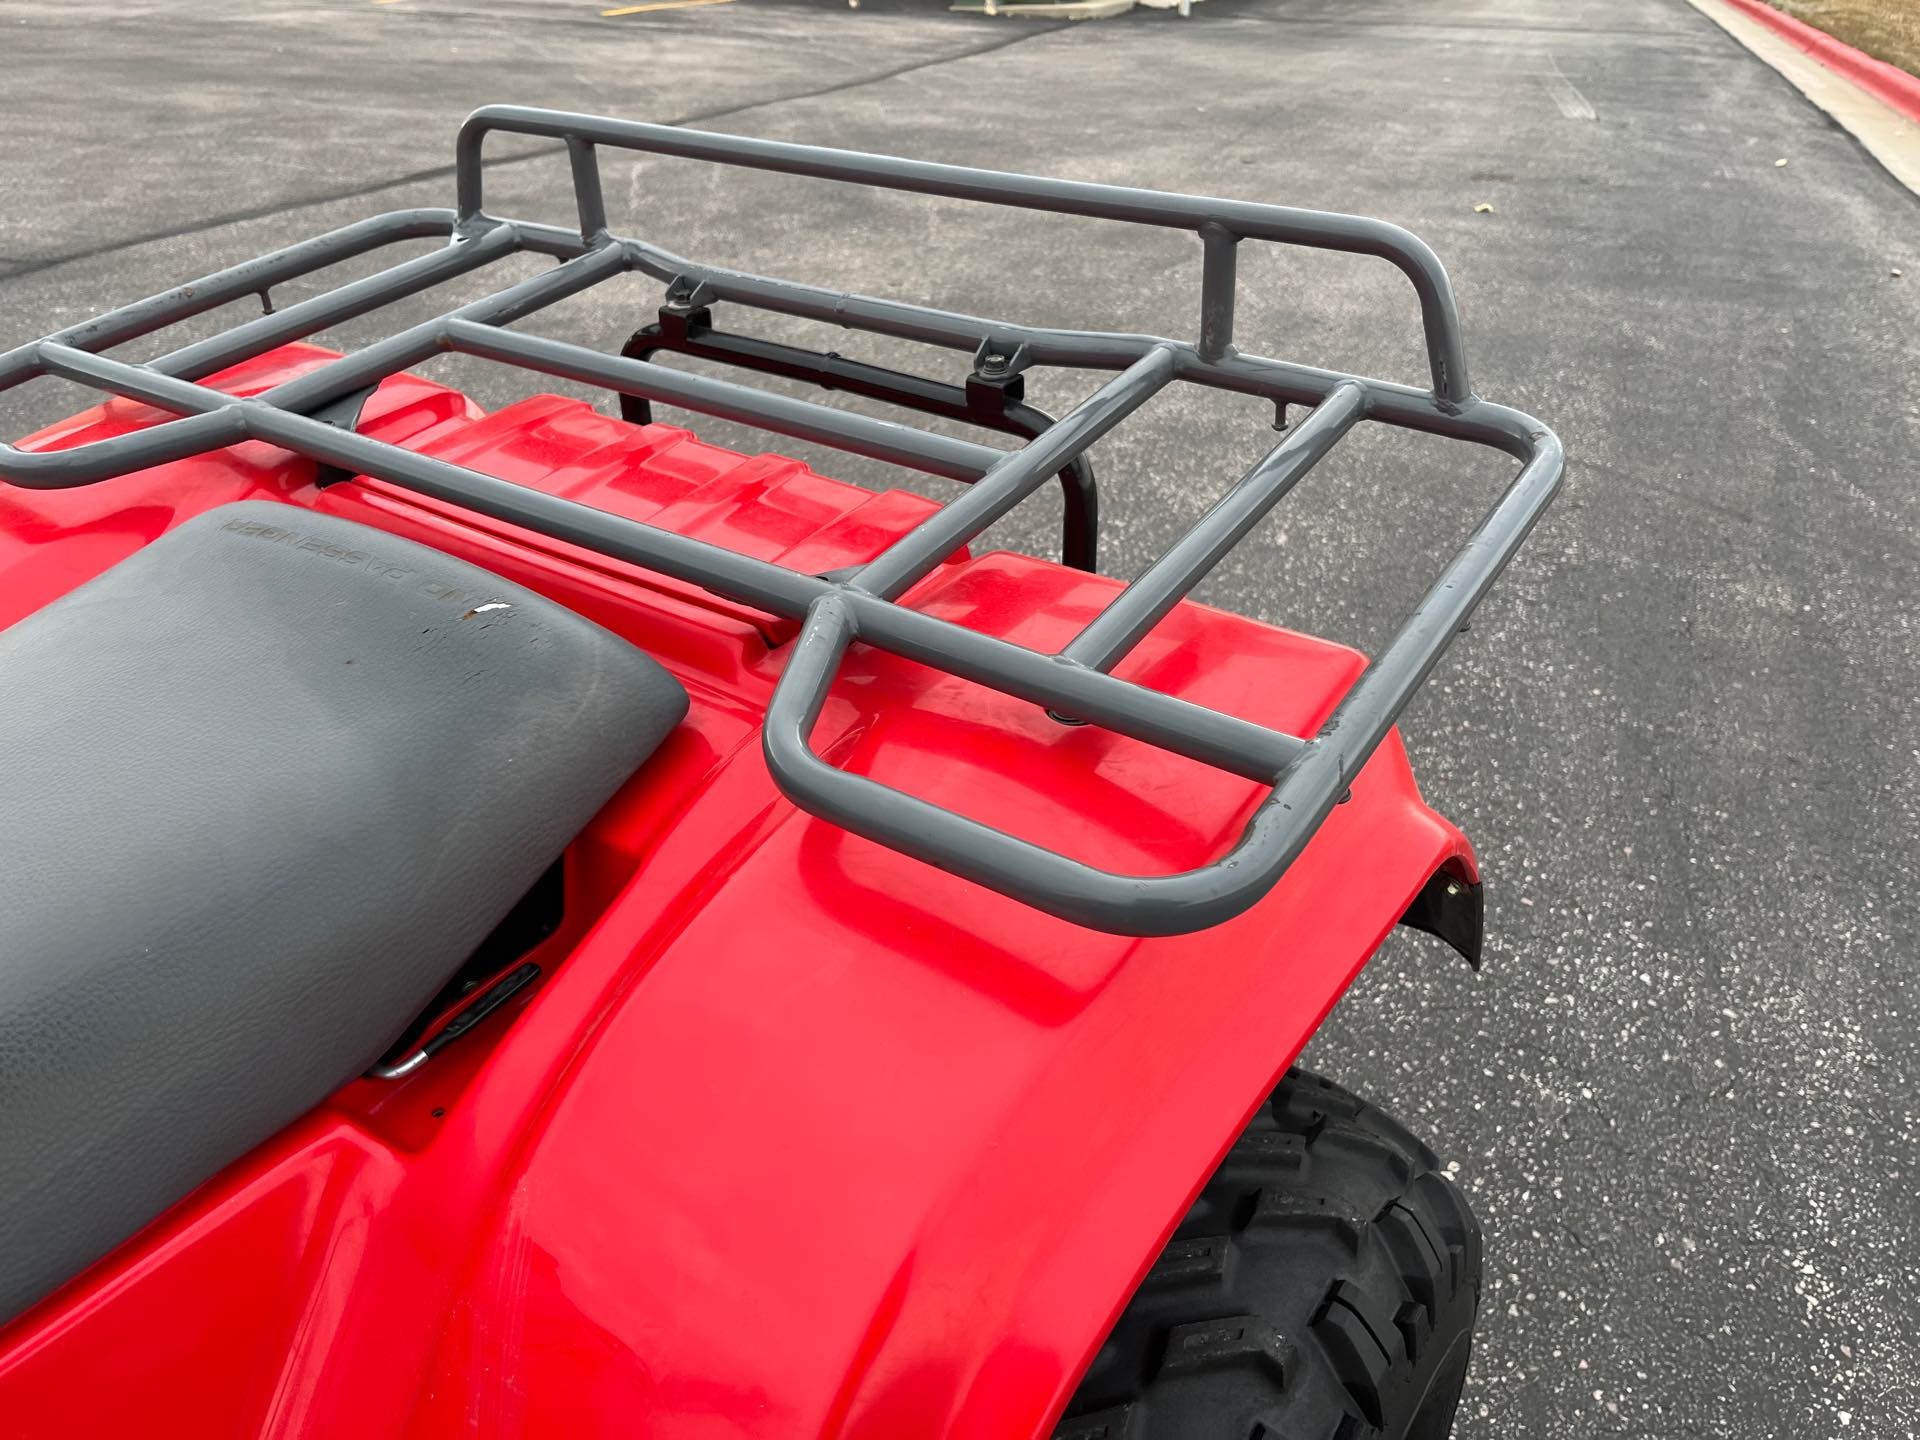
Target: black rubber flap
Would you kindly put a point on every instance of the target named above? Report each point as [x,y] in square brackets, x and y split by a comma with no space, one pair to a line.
[263,786]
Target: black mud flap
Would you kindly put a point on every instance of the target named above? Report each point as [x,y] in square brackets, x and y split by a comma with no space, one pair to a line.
[1453,909]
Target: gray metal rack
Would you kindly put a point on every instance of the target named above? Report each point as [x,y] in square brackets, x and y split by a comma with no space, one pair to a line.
[1307,774]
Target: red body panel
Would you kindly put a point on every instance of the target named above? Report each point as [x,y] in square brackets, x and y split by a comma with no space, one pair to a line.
[796,1136]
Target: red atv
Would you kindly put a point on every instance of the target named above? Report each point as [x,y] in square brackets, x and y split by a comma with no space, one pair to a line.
[533,924]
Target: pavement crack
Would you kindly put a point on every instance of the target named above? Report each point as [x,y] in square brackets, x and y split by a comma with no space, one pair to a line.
[18,268]
[854,83]
[1575,1236]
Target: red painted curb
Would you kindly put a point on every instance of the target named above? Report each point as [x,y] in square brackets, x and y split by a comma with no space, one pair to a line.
[1886,83]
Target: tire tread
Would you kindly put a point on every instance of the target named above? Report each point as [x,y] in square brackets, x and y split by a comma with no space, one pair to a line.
[1322,1287]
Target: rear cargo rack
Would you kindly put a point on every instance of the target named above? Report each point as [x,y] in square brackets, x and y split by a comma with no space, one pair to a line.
[1307,775]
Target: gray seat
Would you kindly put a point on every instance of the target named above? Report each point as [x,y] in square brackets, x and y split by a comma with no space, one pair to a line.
[263,786]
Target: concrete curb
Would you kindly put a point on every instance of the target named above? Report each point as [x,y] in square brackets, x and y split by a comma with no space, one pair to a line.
[1887,83]
[1073,10]
[1886,133]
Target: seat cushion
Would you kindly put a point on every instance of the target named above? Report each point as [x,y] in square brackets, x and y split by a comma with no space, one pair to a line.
[263,786]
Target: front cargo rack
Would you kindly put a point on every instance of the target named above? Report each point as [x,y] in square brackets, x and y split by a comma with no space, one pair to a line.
[1307,775]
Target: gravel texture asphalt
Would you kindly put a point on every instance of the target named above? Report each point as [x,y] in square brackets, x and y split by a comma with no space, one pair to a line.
[1683,732]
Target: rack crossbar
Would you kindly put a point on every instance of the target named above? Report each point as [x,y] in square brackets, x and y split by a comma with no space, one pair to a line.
[1166,582]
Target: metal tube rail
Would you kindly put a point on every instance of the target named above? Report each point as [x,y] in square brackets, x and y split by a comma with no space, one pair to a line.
[347,302]
[411,347]
[1219,271]
[1305,776]
[122,454]
[1243,219]
[1284,381]
[1246,749]
[1163,584]
[1043,878]
[801,419]
[249,277]
[894,571]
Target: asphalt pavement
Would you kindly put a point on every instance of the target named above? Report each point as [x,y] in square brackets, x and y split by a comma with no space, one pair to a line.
[1683,732]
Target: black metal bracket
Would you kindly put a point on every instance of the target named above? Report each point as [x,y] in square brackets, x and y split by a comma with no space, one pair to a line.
[1454,910]
[994,398]
[342,414]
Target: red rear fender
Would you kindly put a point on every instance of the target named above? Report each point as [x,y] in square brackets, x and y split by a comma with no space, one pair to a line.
[795,1135]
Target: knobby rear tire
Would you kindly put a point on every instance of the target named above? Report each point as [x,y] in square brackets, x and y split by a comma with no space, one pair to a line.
[1322,1287]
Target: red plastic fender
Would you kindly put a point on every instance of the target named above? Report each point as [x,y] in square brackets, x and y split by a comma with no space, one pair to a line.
[795,1136]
